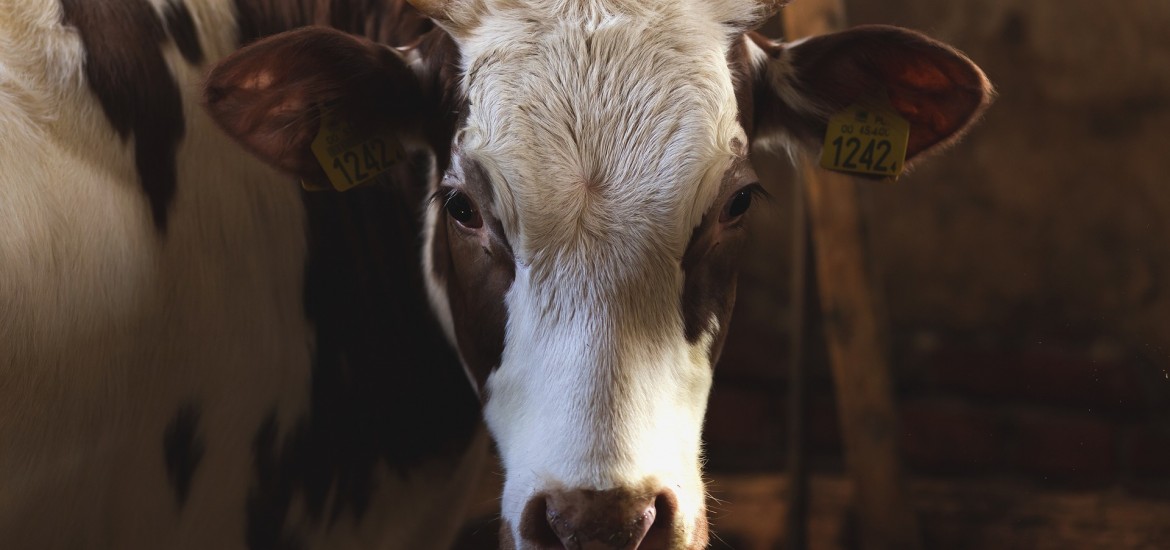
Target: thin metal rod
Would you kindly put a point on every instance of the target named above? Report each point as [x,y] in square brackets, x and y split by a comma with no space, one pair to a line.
[797,467]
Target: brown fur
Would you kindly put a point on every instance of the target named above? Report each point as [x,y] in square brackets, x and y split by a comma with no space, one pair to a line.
[181,27]
[125,69]
[710,265]
[476,275]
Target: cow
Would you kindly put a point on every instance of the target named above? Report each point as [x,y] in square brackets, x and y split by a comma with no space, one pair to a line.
[194,352]
[198,352]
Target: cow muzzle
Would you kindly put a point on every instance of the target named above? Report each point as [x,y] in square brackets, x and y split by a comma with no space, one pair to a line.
[614,519]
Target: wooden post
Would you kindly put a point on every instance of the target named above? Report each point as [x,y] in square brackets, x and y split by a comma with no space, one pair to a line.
[802,264]
[853,330]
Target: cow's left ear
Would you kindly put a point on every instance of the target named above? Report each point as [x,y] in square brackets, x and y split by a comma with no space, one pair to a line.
[270,95]
[799,86]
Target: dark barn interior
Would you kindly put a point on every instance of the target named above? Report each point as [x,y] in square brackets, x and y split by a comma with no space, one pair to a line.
[1019,304]
[975,356]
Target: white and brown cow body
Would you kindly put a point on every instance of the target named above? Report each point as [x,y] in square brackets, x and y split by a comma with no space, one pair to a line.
[194,353]
[581,215]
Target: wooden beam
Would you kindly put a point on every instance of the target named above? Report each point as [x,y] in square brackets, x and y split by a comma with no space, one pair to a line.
[854,330]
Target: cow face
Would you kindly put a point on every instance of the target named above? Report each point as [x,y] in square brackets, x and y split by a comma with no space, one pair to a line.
[594,206]
[582,235]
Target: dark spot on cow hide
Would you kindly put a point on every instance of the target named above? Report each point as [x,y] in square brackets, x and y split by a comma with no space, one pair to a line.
[182,450]
[268,500]
[125,69]
[182,30]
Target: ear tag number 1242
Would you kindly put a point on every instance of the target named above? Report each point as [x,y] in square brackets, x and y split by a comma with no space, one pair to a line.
[350,160]
[863,139]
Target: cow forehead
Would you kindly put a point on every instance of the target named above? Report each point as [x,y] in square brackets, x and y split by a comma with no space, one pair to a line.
[600,129]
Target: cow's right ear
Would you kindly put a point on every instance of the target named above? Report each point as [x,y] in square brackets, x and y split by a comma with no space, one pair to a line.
[937,89]
[269,95]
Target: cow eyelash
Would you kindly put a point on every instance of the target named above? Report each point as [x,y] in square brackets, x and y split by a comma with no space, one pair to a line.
[757,191]
[735,207]
[441,196]
[458,206]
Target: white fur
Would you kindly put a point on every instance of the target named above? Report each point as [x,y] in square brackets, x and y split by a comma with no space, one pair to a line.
[602,160]
[106,328]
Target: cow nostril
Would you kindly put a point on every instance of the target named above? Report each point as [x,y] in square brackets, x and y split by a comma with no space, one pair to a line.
[644,524]
[536,523]
[660,530]
[584,519]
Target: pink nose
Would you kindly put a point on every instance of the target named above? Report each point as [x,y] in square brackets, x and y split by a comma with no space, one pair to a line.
[583,519]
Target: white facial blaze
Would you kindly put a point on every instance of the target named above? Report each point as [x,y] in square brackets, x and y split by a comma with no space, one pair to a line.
[605,130]
[589,397]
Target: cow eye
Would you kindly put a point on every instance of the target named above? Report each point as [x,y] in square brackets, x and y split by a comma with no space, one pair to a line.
[739,203]
[460,207]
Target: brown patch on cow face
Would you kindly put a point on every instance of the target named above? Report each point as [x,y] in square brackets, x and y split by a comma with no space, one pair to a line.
[125,69]
[440,77]
[743,79]
[710,264]
[476,267]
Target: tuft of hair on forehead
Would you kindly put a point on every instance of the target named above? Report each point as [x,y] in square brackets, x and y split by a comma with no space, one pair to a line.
[608,110]
[552,42]
[463,18]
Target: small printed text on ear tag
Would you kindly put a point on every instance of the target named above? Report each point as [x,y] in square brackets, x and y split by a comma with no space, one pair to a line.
[348,159]
[866,139]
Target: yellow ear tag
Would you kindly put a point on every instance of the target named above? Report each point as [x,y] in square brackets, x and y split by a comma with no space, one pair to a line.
[349,160]
[865,139]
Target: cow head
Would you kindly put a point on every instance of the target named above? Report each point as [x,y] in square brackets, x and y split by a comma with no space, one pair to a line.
[581,243]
